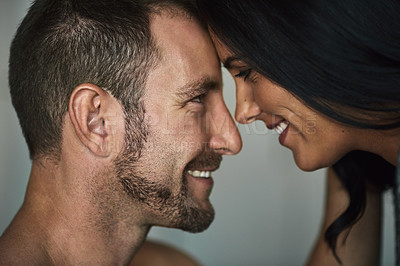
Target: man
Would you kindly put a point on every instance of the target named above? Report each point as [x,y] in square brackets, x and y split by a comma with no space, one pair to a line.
[121,105]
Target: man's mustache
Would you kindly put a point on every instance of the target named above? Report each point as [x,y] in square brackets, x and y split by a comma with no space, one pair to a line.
[206,160]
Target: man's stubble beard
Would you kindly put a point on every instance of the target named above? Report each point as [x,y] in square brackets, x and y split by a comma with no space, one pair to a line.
[178,211]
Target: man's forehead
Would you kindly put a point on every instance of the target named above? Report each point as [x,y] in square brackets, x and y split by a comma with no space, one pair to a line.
[170,31]
[171,11]
[188,58]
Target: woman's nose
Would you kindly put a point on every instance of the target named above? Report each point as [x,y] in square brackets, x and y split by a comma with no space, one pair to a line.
[247,110]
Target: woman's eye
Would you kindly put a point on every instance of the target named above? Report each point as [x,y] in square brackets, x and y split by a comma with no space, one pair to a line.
[244,73]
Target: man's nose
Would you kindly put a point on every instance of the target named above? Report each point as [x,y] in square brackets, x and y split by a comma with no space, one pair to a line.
[224,135]
[247,110]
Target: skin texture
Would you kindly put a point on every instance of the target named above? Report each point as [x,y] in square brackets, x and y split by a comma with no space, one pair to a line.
[159,254]
[96,204]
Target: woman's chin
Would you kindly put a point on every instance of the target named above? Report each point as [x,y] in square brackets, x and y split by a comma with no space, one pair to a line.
[308,164]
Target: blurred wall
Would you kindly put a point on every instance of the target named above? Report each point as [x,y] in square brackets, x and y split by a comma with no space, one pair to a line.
[267,211]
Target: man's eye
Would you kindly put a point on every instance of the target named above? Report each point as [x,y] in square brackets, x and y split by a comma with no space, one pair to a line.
[244,73]
[198,99]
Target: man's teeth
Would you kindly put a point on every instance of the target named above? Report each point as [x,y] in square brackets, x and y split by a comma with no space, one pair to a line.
[281,127]
[202,174]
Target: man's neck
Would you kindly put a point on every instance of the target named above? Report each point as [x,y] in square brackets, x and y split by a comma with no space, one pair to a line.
[58,225]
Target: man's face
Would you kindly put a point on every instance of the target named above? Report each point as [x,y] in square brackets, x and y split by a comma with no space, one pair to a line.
[188,129]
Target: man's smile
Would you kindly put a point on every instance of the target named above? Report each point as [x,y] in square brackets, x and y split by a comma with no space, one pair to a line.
[199,173]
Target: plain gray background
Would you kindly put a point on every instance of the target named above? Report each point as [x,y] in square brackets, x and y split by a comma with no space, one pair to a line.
[267,211]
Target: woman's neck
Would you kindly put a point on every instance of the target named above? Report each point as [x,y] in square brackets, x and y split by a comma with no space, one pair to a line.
[385,144]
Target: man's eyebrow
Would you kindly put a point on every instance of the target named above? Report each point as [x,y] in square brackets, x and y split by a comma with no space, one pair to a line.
[197,87]
[228,61]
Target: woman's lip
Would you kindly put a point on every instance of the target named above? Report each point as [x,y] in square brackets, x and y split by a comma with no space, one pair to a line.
[283,135]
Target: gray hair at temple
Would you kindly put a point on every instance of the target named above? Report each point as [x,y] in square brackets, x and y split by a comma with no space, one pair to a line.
[63,43]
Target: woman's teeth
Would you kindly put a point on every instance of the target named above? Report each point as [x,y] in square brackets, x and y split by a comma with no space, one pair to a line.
[202,174]
[281,127]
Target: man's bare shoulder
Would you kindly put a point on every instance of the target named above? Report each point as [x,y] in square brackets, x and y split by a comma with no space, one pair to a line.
[158,254]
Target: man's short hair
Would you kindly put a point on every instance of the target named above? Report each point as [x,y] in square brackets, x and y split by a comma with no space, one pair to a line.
[63,43]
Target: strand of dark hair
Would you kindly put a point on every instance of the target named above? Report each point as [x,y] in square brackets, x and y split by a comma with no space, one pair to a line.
[354,170]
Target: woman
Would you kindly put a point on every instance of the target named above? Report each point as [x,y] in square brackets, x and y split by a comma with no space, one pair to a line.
[326,76]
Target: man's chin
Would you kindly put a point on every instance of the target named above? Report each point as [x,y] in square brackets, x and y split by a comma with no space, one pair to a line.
[197,220]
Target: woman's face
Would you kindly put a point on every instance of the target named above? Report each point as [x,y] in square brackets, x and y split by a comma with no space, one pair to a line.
[315,140]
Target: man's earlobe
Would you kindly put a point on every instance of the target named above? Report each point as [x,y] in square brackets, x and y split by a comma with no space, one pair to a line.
[87,111]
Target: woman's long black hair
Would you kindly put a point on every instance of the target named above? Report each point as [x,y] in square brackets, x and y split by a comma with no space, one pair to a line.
[354,170]
[339,57]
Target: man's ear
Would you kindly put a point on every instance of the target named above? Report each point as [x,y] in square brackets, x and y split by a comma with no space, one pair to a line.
[89,106]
